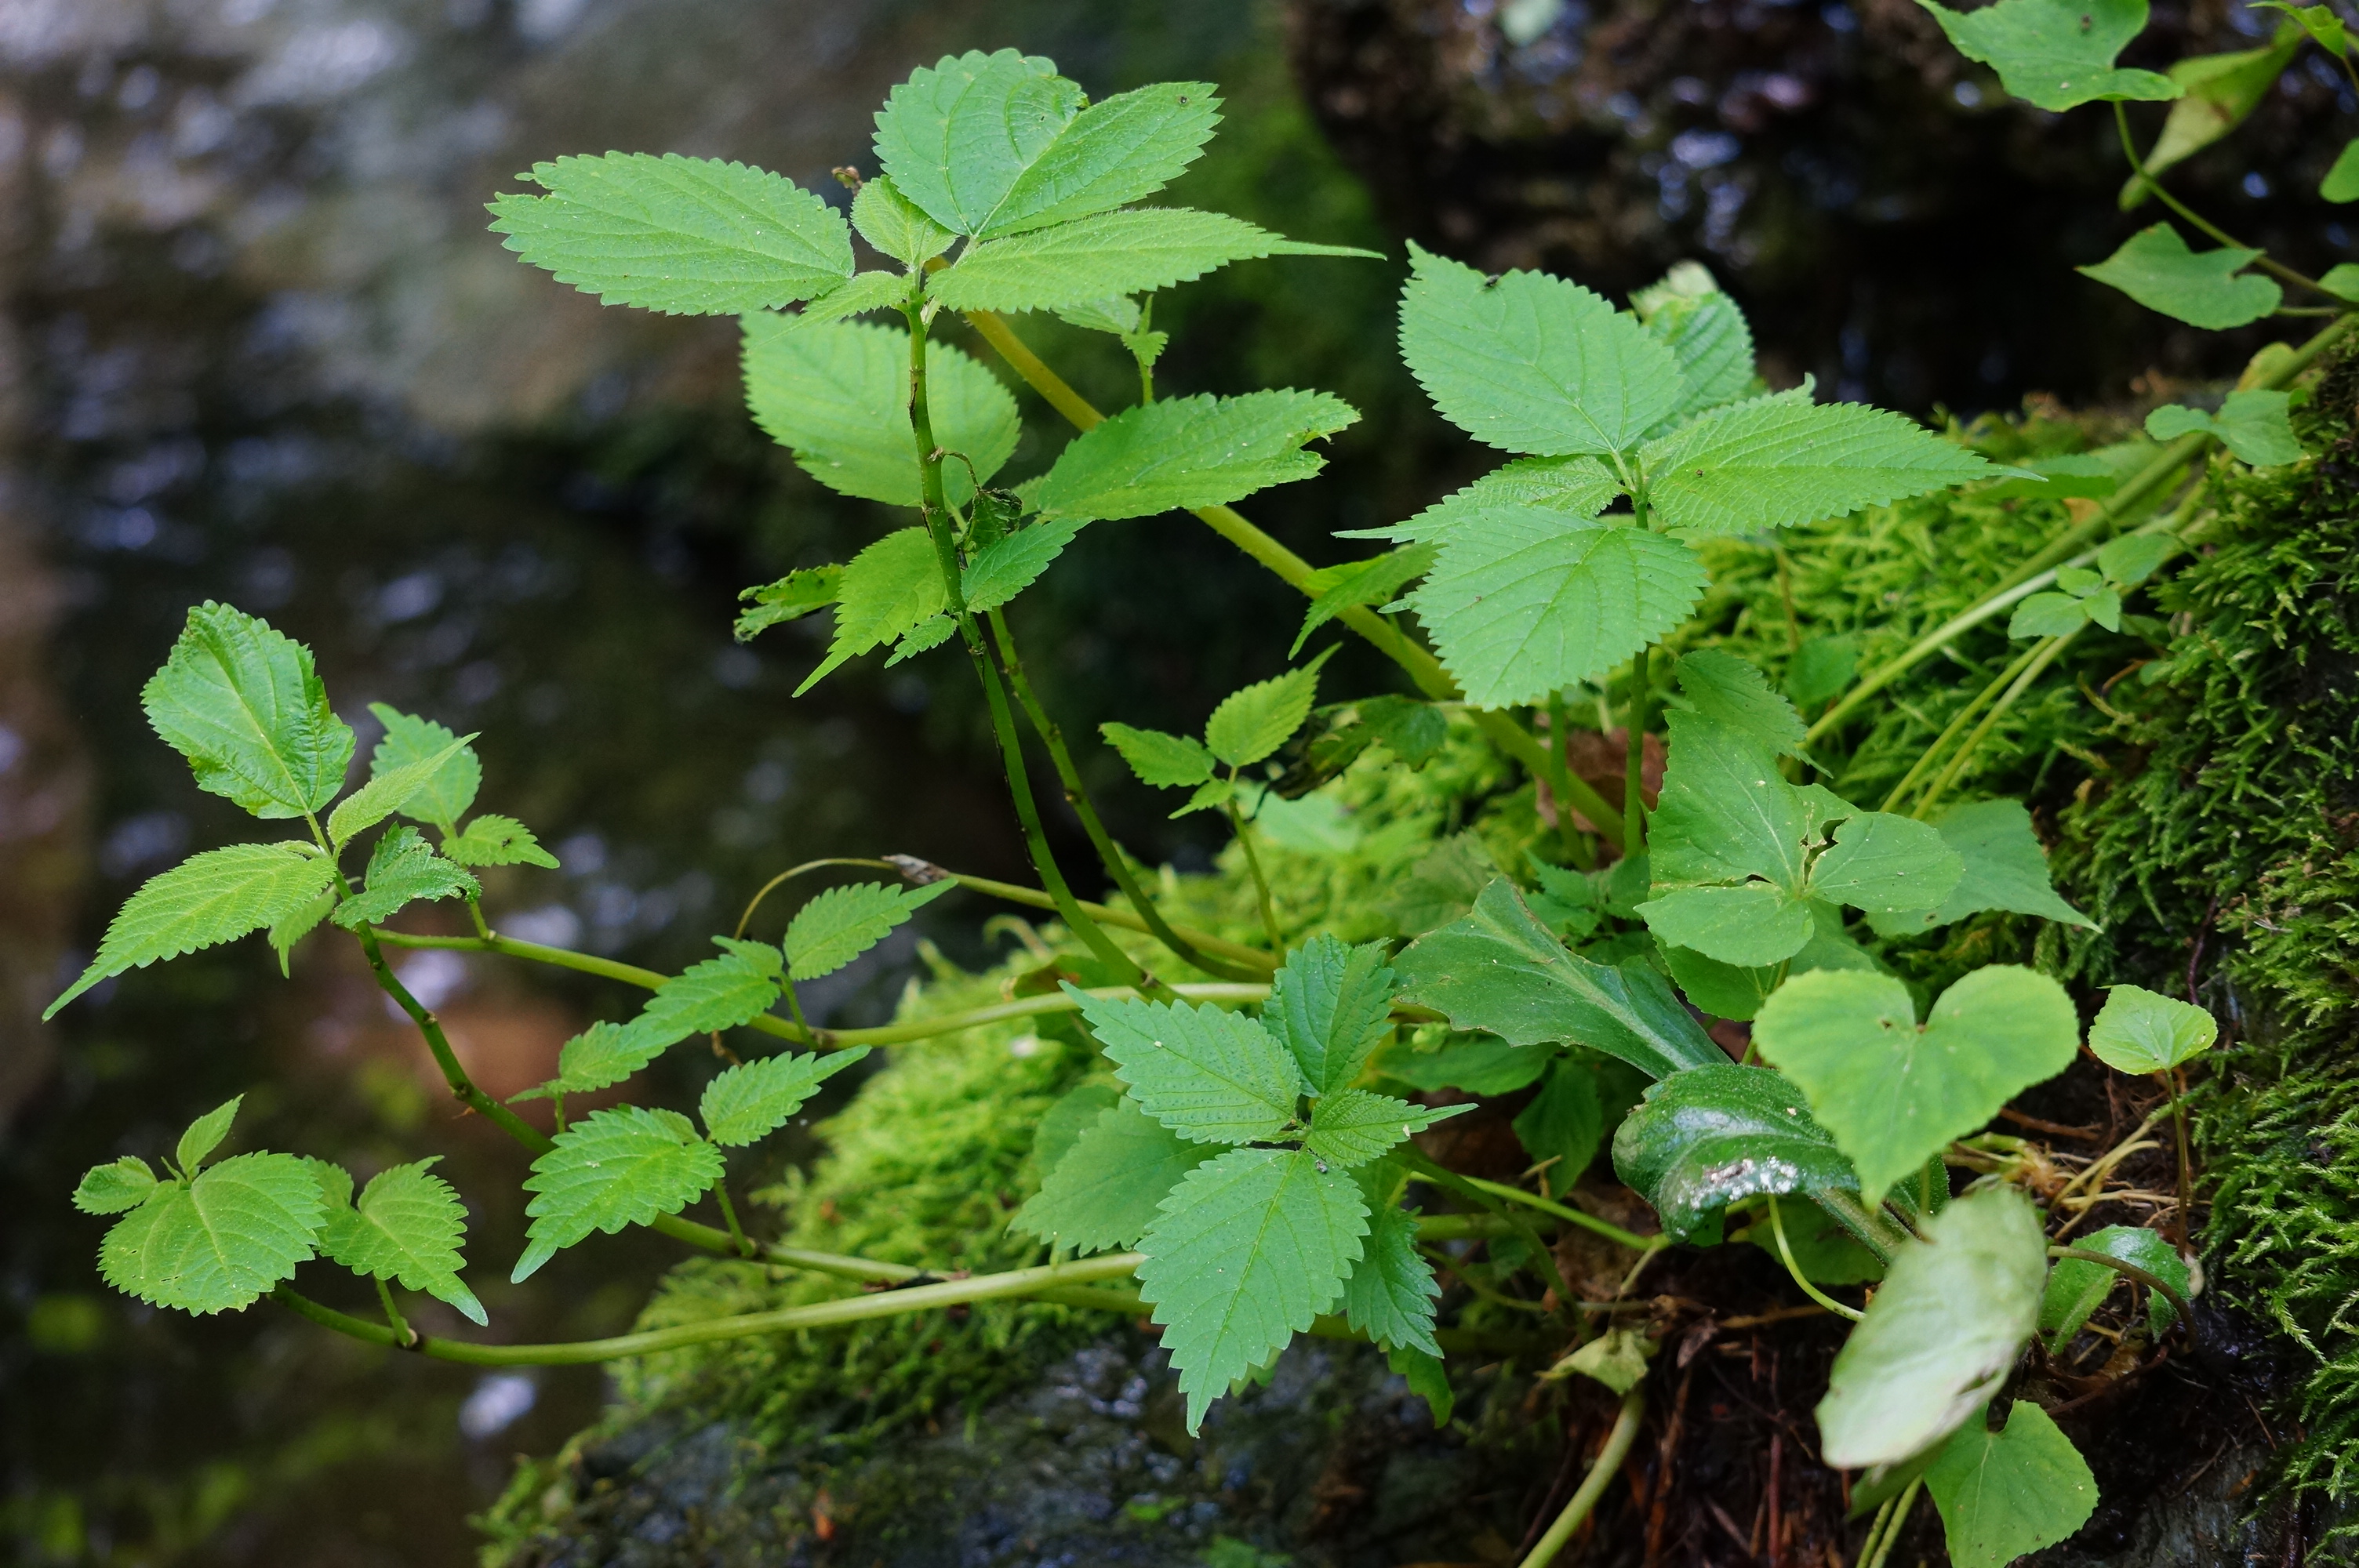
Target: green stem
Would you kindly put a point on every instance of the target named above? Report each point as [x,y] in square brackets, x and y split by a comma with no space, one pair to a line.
[1951,731]
[1110,854]
[1422,668]
[1869,1226]
[1003,723]
[2155,185]
[1875,1528]
[729,1216]
[2174,1085]
[1786,1256]
[403,1334]
[1634,785]
[462,1088]
[2045,656]
[2151,1282]
[1261,882]
[1570,1216]
[1901,1505]
[1560,775]
[1592,1486]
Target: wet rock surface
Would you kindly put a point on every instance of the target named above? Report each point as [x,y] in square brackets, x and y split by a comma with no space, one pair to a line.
[1333,1464]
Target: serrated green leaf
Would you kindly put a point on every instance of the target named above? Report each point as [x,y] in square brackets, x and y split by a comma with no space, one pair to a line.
[856,296]
[837,926]
[1564,1125]
[1413,731]
[1330,1004]
[1940,1334]
[2342,181]
[1520,604]
[2057,54]
[1749,925]
[1369,582]
[1883,864]
[115,1187]
[1428,1379]
[1576,489]
[242,703]
[1351,1127]
[889,590]
[406,1227]
[1063,1124]
[684,236]
[204,901]
[1132,251]
[717,993]
[614,1168]
[1110,155]
[794,595]
[444,796]
[494,840]
[1499,970]
[1894,1093]
[2005,869]
[1182,452]
[837,394]
[387,793]
[1210,794]
[895,225]
[1013,562]
[2077,1287]
[601,1055]
[1706,333]
[1391,1292]
[2138,1030]
[1725,814]
[955,138]
[1529,363]
[215,1244]
[1253,721]
[1736,696]
[1781,460]
[1210,1076]
[1248,1250]
[753,1099]
[1105,1191]
[290,928]
[204,1135]
[402,869]
[2004,1494]
[930,632]
[1706,1137]
[2221,91]
[2155,268]
[1165,760]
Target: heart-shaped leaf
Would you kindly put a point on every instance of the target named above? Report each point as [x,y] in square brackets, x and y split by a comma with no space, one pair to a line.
[2007,1493]
[2141,1032]
[1893,1092]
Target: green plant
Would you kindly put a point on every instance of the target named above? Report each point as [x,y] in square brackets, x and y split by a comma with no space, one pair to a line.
[1252,1172]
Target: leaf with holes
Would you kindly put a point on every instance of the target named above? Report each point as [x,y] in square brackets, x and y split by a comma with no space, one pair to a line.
[204,901]
[242,703]
[791,597]
[1249,1249]
[684,236]
[613,1168]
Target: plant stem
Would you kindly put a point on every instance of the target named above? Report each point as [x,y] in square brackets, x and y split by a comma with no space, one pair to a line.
[1592,1486]
[1634,783]
[729,1216]
[1950,731]
[1901,1507]
[462,1088]
[2131,1271]
[1786,1256]
[2174,1085]
[1261,882]
[403,1334]
[1612,1233]
[2040,660]
[1003,723]
[1110,854]
[1875,1528]
[1576,847]
[1423,668]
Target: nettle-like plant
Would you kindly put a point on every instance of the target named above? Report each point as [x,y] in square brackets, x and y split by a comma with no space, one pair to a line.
[1251,1160]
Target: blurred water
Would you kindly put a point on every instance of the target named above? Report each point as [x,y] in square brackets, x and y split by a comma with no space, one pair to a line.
[259,348]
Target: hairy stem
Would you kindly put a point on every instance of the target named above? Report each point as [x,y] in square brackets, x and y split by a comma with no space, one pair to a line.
[1422,668]
[2039,661]
[1786,1256]
[1592,1486]
[1260,881]
[1003,723]
[1110,854]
